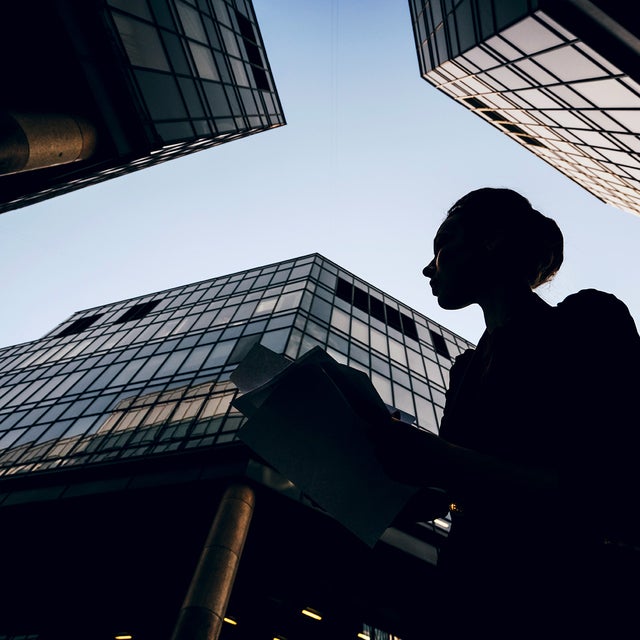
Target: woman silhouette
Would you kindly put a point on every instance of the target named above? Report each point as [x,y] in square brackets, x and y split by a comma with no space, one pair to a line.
[538,448]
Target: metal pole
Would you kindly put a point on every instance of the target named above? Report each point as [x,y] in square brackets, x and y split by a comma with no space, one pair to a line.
[204,606]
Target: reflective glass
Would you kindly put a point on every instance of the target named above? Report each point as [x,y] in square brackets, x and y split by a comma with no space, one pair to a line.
[608,93]
[141,42]
[216,99]
[508,78]
[530,36]
[568,64]
[137,7]
[191,22]
[500,46]
[161,95]
[383,387]
[288,301]
[219,354]
[275,340]
[340,320]
[203,59]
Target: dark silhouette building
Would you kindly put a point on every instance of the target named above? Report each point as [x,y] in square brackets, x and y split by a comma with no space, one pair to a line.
[94,89]
[560,77]
[118,439]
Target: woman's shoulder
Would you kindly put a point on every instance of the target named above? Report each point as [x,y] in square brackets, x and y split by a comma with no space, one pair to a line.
[600,324]
[592,306]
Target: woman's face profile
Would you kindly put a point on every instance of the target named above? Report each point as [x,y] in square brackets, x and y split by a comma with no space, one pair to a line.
[455,273]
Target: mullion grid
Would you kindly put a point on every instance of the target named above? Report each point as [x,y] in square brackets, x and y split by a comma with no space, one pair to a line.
[174,379]
[615,176]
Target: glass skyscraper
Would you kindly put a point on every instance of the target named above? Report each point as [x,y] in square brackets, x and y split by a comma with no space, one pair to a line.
[118,424]
[559,78]
[94,89]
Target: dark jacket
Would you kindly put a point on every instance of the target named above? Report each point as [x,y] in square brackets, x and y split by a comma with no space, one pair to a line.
[556,389]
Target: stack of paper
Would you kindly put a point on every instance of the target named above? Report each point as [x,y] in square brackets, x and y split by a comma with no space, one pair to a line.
[308,419]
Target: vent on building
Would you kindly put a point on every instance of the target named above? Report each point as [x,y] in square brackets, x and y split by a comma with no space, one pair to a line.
[439,344]
[513,128]
[494,115]
[79,325]
[137,311]
[475,103]
[360,299]
[532,141]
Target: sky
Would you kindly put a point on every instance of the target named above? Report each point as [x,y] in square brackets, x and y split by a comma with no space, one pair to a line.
[363,172]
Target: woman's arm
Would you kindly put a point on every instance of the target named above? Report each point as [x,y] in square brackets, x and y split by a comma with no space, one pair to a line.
[423,459]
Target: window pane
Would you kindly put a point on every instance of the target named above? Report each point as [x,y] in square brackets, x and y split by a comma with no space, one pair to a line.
[266,306]
[191,22]
[161,95]
[204,61]
[220,354]
[340,320]
[289,301]
[529,35]
[142,43]
[569,64]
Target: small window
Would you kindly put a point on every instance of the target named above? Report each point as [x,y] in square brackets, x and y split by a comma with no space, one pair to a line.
[409,326]
[253,52]
[137,311]
[79,325]
[344,290]
[439,344]
[377,309]
[360,299]
[393,318]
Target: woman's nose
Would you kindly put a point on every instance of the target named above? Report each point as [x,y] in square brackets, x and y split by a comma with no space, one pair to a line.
[429,270]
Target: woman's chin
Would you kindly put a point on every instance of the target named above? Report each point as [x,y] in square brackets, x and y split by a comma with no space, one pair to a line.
[451,304]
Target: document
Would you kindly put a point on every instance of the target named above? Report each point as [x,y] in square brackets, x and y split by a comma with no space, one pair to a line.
[308,420]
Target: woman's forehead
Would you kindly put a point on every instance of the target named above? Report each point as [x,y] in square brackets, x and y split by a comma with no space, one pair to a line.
[453,225]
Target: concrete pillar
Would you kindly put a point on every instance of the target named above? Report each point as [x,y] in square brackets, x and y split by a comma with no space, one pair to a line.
[34,141]
[204,606]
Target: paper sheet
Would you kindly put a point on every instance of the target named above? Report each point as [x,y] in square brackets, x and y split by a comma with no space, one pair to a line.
[308,420]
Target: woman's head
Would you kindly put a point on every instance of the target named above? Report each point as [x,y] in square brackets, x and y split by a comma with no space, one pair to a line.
[492,234]
[503,218]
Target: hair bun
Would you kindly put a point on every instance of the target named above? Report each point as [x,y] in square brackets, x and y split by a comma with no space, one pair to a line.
[533,243]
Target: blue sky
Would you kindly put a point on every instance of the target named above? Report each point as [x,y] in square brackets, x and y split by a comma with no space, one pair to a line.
[371,158]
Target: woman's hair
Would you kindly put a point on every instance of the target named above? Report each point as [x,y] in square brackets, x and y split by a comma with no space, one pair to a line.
[532,241]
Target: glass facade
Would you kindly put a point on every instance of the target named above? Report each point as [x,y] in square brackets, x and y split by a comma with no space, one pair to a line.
[199,69]
[150,375]
[523,68]
[118,427]
[167,78]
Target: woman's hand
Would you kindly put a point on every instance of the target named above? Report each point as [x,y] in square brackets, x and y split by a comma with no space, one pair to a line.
[408,454]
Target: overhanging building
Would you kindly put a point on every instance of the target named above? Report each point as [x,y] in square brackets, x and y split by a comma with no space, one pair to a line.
[560,77]
[94,89]
[118,439]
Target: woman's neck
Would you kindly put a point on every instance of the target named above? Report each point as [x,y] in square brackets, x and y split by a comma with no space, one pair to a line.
[503,303]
